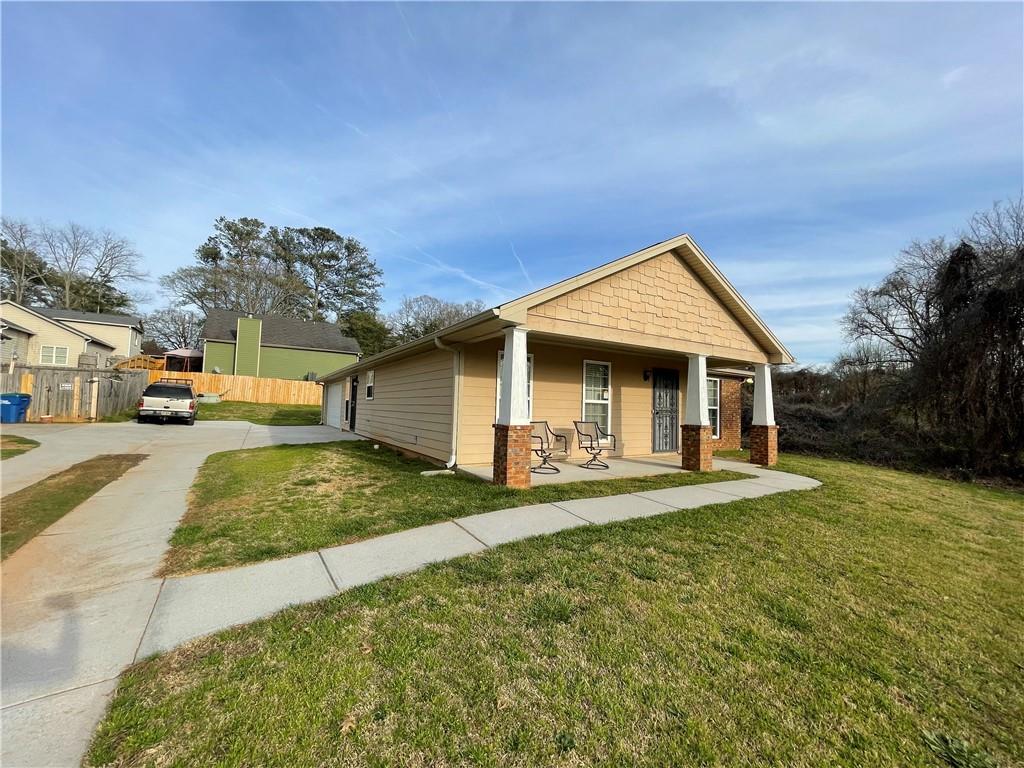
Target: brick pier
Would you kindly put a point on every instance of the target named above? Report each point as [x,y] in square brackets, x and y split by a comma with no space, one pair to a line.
[512,455]
[696,447]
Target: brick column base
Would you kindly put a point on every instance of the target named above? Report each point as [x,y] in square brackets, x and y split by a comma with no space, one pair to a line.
[512,455]
[764,444]
[696,447]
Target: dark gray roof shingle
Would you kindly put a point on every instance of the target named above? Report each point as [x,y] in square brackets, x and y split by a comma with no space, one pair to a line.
[281,332]
[89,317]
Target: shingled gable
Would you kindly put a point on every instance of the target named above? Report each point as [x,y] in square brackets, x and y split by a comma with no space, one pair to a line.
[277,331]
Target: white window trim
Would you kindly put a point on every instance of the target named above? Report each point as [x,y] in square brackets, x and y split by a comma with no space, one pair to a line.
[53,354]
[529,384]
[716,425]
[583,392]
[369,386]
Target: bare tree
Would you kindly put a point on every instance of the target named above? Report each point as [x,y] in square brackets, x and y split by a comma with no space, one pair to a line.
[68,250]
[422,315]
[172,327]
[23,270]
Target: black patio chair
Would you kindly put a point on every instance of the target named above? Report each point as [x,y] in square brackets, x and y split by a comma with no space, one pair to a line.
[594,441]
[545,443]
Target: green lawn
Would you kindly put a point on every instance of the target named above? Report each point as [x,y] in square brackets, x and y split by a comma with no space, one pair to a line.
[264,503]
[260,413]
[875,621]
[30,510]
[12,445]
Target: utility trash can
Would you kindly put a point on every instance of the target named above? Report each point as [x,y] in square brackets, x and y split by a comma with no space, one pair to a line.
[13,407]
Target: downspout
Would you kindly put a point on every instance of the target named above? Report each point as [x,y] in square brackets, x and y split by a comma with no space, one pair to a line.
[456,393]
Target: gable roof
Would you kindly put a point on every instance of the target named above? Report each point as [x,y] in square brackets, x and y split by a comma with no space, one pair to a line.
[36,311]
[102,318]
[14,326]
[514,312]
[278,331]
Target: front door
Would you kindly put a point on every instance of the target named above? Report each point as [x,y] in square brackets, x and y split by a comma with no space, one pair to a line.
[665,410]
[352,404]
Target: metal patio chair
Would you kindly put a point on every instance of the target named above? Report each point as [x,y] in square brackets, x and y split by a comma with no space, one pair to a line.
[545,443]
[594,441]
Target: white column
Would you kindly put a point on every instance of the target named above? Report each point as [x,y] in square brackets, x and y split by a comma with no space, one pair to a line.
[512,405]
[764,407]
[697,391]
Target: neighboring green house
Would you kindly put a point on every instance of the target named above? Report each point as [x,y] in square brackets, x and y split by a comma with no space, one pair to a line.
[273,347]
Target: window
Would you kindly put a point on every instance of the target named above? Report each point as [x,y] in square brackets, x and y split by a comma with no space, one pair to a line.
[53,355]
[347,389]
[529,385]
[369,385]
[714,414]
[597,393]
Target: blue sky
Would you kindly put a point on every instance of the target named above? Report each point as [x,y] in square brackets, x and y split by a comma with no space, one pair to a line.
[480,150]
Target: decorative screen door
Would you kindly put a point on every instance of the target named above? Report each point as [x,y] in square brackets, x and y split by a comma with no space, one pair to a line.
[665,410]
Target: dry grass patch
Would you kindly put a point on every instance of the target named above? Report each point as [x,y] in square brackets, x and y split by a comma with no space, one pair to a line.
[265,503]
[13,445]
[31,510]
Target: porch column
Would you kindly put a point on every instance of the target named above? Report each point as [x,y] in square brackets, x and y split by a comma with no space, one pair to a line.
[512,431]
[764,433]
[696,428]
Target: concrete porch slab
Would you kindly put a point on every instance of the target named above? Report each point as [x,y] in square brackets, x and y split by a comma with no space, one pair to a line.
[608,509]
[364,562]
[504,525]
[187,609]
[572,472]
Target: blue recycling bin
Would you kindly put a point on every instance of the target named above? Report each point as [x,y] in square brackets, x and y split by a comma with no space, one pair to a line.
[14,407]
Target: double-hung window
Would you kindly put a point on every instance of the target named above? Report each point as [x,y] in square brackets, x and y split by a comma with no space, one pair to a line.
[597,393]
[49,355]
[529,384]
[714,411]
[369,385]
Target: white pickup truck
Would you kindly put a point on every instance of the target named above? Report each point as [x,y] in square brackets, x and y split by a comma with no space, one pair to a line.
[168,400]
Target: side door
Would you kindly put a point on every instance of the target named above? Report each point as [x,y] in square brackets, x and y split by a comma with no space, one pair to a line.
[352,404]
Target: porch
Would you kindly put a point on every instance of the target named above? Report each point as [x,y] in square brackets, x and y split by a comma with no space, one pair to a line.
[571,471]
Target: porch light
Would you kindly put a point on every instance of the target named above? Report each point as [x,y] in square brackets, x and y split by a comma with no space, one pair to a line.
[647,374]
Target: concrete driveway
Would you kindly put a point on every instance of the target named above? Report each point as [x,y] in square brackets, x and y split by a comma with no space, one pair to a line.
[76,599]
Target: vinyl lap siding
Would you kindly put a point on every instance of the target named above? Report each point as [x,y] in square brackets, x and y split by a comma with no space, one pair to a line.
[558,395]
[288,363]
[412,404]
[46,334]
[247,346]
[219,354]
[118,335]
[18,342]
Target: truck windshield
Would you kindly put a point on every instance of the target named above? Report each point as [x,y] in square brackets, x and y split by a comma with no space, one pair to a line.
[165,390]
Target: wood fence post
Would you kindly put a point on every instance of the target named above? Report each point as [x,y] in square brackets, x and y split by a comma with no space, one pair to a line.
[76,399]
[94,407]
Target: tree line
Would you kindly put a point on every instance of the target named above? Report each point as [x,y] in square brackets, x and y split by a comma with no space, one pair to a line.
[69,267]
[245,265]
[934,375]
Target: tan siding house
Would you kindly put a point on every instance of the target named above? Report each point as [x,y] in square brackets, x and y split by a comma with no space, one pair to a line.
[51,342]
[124,332]
[653,347]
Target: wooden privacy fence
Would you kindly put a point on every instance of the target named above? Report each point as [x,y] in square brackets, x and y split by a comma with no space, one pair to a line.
[249,389]
[75,394]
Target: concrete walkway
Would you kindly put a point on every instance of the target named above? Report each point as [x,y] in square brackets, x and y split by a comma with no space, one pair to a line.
[80,602]
[77,598]
[192,606]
